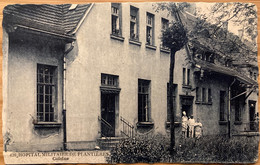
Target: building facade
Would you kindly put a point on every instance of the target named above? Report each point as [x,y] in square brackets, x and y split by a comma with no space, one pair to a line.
[77,75]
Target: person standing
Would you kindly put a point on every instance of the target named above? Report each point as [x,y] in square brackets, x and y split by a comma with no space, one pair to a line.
[191,124]
[184,124]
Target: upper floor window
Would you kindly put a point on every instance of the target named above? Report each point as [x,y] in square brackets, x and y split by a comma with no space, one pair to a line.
[144,100]
[116,19]
[46,93]
[165,25]
[185,76]
[134,23]
[109,80]
[149,29]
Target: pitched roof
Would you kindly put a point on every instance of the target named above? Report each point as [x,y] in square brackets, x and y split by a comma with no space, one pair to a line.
[225,71]
[51,18]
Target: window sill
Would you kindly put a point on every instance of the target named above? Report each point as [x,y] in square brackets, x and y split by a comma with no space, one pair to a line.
[165,50]
[150,47]
[238,122]
[135,42]
[186,86]
[176,124]
[148,124]
[47,125]
[116,37]
[203,103]
[222,122]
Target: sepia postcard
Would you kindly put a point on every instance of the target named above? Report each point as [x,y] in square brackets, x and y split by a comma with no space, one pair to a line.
[130,83]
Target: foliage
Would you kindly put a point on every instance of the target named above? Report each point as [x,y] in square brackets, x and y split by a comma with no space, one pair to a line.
[207,149]
[146,149]
[218,149]
[242,14]
[205,30]
[175,36]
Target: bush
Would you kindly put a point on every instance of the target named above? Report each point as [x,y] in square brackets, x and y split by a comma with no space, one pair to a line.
[145,149]
[217,149]
[207,149]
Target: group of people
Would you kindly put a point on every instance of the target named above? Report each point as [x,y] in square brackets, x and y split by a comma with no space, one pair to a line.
[190,128]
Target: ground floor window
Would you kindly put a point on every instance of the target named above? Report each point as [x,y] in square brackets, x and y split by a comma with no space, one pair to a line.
[144,100]
[222,105]
[46,93]
[237,110]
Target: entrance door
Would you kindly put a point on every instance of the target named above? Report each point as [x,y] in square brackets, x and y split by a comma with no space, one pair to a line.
[252,115]
[108,115]
[187,109]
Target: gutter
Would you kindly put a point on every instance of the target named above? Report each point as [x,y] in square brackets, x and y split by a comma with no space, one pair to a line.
[229,107]
[64,95]
[68,38]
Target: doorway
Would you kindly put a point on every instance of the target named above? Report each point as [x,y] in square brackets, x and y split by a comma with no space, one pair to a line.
[108,114]
[186,104]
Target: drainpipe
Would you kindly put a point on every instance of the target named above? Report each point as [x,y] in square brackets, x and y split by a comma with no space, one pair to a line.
[229,107]
[64,95]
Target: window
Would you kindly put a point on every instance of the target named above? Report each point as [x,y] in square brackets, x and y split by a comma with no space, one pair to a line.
[237,110]
[149,29]
[143,100]
[109,80]
[165,25]
[209,96]
[134,23]
[203,95]
[198,94]
[186,77]
[116,19]
[46,93]
[222,105]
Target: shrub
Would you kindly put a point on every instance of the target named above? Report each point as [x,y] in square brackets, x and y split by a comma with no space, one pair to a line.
[217,149]
[145,149]
[207,149]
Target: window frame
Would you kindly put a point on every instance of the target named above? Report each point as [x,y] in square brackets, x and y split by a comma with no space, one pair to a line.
[145,95]
[48,96]
[150,25]
[222,105]
[134,11]
[109,80]
[164,22]
[116,12]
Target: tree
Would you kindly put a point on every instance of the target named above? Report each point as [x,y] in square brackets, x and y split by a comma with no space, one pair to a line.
[240,14]
[174,37]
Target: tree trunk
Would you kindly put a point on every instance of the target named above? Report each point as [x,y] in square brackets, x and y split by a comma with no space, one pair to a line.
[171,77]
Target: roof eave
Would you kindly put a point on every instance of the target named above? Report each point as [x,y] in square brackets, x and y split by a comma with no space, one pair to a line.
[39,31]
